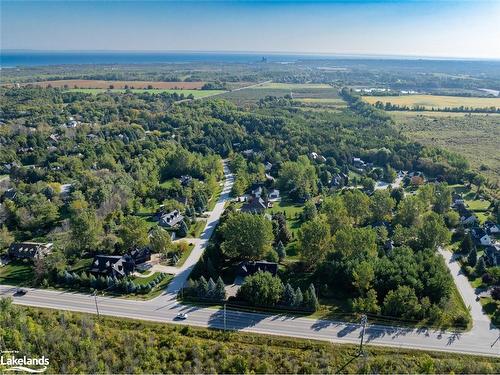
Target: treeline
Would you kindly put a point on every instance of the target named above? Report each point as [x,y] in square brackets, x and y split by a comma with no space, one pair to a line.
[388,106]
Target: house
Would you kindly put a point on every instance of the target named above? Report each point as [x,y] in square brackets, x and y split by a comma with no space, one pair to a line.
[248,153]
[467,217]
[255,206]
[186,180]
[141,255]
[9,194]
[268,166]
[29,250]
[274,194]
[257,192]
[112,265]
[457,200]
[171,219]
[358,163]
[317,157]
[491,227]
[492,255]
[480,237]
[339,180]
[248,268]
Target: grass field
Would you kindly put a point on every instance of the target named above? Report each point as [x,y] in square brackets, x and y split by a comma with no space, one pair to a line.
[292,86]
[100,84]
[16,273]
[298,91]
[195,93]
[475,137]
[435,101]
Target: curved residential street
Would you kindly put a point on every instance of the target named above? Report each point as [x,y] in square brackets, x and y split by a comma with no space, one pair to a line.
[483,339]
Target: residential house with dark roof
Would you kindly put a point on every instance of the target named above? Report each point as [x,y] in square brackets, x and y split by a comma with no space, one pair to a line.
[254,206]
[171,219]
[29,250]
[491,227]
[112,265]
[492,255]
[186,180]
[248,268]
[480,237]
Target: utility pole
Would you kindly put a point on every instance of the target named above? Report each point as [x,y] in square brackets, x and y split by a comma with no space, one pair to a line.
[224,317]
[363,322]
[96,306]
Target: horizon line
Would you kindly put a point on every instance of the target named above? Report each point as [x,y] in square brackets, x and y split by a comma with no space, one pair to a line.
[242,52]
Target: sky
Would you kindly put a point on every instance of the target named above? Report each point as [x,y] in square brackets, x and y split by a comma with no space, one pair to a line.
[437,28]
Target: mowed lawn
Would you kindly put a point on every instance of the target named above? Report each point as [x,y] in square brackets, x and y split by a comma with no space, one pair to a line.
[195,93]
[435,101]
[16,273]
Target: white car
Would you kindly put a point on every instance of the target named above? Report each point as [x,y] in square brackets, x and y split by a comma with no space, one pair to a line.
[181,316]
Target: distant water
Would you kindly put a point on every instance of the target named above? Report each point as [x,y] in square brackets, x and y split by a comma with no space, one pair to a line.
[33,58]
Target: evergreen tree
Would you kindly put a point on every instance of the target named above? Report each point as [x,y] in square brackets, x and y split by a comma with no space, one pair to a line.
[289,296]
[299,298]
[280,249]
[220,290]
[481,267]
[466,245]
[183,229]
[202,289]
[472,257]
[211,289]
[312,300]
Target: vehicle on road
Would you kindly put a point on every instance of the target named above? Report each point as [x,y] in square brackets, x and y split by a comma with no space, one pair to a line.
[20,292]
[181,316]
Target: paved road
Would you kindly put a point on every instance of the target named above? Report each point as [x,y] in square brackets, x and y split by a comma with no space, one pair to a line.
[183,273]
[482,339]
[165,308]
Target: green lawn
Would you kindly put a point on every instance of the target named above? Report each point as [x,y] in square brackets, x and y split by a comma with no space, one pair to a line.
[81,265]
[291,210]
[478,205]
[17,273]
[195,93]
[196,229]
[214,198]
[145,280]
[491,307]
[184,255]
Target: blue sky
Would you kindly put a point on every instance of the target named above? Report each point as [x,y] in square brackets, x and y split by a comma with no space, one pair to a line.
[448,28]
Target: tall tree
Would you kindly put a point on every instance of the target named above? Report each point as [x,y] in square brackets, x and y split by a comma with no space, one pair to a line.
[246,236]
[314,241]
[134,233]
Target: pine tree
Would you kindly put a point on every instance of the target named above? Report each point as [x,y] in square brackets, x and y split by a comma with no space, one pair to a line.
[220,289]
[466,245]
[280,249]
[289,296]
[299,298]
[481,267]
[472,257]
[183,229]
[211,289]
[202,289]
[312,302]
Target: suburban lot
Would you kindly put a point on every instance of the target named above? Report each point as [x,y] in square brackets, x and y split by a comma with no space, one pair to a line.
[435,101]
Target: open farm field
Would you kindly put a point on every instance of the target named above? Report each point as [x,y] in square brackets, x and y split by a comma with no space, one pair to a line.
[254,94]
[435,101]
[292,86]
[100,84]
[195,93]
[475,137]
